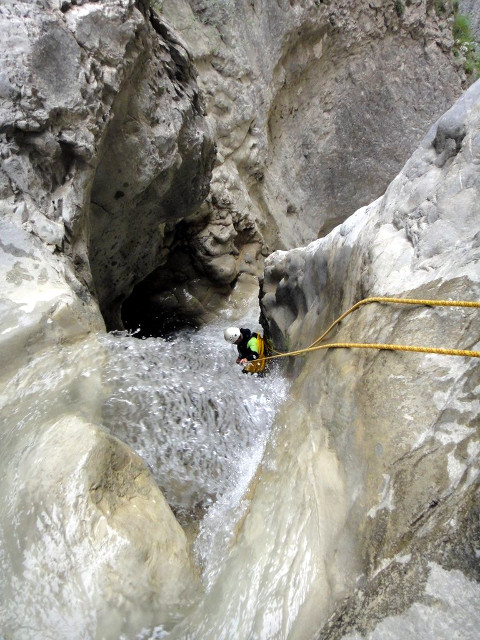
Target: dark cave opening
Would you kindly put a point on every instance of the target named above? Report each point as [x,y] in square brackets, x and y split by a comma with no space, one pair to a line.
[159,305]
[174,296]
[149,314]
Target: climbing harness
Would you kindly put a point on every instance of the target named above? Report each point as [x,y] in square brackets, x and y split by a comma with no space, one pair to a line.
[257,366]
[315,346]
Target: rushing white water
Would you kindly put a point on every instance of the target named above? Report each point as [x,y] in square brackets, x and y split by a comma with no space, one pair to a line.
[183,405]
[199,423]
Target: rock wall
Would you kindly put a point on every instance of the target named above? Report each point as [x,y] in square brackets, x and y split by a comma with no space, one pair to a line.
[106,157]
[154,167]
[403,427]
[102,129]
[103,145]
[108,152]
[316,106]
[311,124]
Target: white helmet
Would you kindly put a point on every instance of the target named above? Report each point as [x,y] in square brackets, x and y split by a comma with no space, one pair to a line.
[232,334]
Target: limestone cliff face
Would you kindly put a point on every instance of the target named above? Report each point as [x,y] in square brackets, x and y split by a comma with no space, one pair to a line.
[103,136]
[403,427]
[316,107]
[103,145]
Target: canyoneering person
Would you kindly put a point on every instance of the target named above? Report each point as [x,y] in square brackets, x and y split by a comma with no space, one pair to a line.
[250,346]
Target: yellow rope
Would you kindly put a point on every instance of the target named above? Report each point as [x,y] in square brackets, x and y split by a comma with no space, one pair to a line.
[428,303]
[390,347]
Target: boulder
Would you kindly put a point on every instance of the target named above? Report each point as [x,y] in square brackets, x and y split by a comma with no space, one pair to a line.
[89,515]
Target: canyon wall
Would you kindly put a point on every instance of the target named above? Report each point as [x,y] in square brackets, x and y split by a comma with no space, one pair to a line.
[402,427]
[103,145]
[315,106]
[107,156]
[102,128]
[108,153]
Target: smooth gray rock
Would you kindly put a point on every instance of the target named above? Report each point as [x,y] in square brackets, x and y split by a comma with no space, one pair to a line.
[316,105]
[403,426]
[125,532]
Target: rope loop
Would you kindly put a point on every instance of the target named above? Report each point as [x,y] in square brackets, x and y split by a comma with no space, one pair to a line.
[316,346]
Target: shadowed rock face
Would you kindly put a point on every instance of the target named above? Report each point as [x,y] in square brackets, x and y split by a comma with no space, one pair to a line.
[154,169]
[404,427]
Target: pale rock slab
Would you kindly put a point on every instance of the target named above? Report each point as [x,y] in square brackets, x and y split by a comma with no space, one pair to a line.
[472,9]
[89,515]
[404,426]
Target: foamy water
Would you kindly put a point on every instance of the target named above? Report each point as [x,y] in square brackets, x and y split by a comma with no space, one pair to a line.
[182,404]
[200,424]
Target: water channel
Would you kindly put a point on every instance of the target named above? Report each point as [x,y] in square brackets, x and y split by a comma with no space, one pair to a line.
[184,406]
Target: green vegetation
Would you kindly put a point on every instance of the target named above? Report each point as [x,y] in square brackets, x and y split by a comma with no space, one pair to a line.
[466,49]
[465,46]
[461,28]
[399,7]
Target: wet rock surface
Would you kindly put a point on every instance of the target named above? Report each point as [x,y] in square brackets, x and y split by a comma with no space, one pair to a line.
[121,509]
[404,426]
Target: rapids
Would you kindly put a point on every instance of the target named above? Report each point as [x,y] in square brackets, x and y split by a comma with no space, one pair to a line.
[183,405]
[199,423]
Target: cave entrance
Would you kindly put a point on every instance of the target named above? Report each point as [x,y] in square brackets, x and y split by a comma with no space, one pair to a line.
[152,311]
[173,297]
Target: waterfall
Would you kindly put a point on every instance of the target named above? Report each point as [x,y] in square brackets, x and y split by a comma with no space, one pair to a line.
[199,423]
[183,405]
